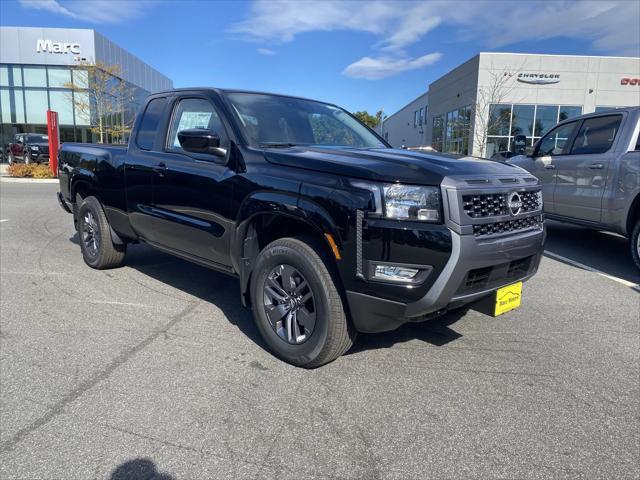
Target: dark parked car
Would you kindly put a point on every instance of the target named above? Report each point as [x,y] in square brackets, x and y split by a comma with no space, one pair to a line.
[29,148]
[328,229]
[590,171]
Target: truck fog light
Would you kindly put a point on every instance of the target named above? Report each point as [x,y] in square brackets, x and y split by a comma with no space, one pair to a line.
[395,273]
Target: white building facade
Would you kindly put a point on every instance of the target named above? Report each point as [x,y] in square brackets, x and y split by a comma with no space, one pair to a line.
[480,106]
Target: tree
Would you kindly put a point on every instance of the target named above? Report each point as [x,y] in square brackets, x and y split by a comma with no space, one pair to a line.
[372,121]
[103,97]
[489,120]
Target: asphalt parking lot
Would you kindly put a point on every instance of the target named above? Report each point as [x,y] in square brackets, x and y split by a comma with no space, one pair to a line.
[155,370]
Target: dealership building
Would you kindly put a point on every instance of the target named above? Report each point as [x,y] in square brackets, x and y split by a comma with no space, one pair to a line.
[37,68]
[480,106]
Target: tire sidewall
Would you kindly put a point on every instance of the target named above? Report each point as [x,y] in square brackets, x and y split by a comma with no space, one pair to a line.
[634,244]
[309,350]
[89,205]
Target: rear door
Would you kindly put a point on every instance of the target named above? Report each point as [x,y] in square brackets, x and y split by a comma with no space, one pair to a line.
[192,192]
[141,164]
[544,164]
[582,173]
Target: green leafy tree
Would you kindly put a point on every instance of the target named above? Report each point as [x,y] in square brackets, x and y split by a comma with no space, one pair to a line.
[372,121]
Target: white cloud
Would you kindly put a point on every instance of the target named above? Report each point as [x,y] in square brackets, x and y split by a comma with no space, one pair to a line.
[265,51]
[609,27]
[381,67]
[48,5]
[94,11]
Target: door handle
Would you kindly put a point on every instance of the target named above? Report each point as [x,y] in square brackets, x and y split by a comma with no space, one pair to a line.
[550,167]
[596,166]
[160,169]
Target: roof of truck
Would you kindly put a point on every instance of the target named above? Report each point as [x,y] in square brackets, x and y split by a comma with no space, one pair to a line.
[237,90]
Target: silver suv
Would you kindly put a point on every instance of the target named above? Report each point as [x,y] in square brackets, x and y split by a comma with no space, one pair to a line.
[589,167]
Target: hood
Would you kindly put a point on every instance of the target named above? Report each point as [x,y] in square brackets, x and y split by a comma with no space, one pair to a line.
[387,164]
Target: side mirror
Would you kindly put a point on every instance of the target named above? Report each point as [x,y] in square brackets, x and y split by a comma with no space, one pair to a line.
[201,140]
[519,144]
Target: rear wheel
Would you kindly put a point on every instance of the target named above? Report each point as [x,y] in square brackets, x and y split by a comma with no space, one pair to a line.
[634,241]
[98,250]
[297,306]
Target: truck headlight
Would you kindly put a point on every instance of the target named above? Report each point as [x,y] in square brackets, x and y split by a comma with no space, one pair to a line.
[411,202]
[35,148]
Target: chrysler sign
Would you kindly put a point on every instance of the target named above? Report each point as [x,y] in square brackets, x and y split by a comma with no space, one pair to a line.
[539,78]
[57,47]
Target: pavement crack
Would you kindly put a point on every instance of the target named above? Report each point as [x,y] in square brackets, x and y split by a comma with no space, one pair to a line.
[58,407]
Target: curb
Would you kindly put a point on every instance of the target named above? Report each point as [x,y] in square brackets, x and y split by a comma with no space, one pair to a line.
[4,179]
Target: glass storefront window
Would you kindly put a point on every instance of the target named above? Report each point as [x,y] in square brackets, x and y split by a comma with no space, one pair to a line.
[546,118]
[496,144]
[59,77]
[17,76]
[438,131]
[83,116]
[5,111]
[35,77]
[4,76]
[36,105]
[569,112]
[499,119]
[61,102]
[522,120]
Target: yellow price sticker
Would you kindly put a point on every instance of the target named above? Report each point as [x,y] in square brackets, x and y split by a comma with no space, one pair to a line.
[508,298]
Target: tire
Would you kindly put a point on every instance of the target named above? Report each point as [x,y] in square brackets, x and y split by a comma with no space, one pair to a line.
[98,250]
[332,333]
[634,242]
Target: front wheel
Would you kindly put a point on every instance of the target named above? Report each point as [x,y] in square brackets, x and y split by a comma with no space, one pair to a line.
[297,306]
[98,250]
[634,240]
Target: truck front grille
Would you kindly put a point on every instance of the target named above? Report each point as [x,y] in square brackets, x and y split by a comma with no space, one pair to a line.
[509,226]
[495,204]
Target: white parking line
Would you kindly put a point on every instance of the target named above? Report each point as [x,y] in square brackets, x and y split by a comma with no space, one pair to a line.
[622,281]
[4,220]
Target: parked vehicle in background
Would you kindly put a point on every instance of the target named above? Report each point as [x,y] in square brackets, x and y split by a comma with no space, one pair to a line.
[504,155]
[29,148]
[589,167]
[329,230]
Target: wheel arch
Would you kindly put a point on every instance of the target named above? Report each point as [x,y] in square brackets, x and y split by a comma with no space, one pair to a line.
[633,214]
[268,216]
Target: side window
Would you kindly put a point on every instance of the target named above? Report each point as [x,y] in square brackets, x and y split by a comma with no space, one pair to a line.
[194,113]
[148,128]
[596,135]
[638,142]
[555,142]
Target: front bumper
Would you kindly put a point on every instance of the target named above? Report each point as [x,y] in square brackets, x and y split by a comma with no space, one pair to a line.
[453,287]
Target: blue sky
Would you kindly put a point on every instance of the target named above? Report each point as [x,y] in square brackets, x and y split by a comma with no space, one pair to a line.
[360,55]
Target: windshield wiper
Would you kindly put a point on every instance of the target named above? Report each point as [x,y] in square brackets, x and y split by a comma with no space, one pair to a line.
[281,144]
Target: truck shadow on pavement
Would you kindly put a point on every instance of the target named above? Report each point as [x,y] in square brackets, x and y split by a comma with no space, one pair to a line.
[223,291]
[606,252]
[139,469]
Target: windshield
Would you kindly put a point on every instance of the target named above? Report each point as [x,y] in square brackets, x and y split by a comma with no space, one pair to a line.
[37,138]
[274,121]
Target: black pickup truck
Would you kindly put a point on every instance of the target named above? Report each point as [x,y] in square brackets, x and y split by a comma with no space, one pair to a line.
[329,230]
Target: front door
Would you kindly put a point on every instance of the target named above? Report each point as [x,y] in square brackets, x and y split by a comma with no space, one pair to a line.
[582,173]
[192,192]
[546,156]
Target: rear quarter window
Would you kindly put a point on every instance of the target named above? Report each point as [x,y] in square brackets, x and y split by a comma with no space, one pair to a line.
[148,128]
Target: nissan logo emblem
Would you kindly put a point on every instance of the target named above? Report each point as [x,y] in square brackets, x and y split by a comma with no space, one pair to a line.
[514,203]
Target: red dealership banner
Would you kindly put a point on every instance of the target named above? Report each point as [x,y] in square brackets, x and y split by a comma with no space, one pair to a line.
[53,131]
